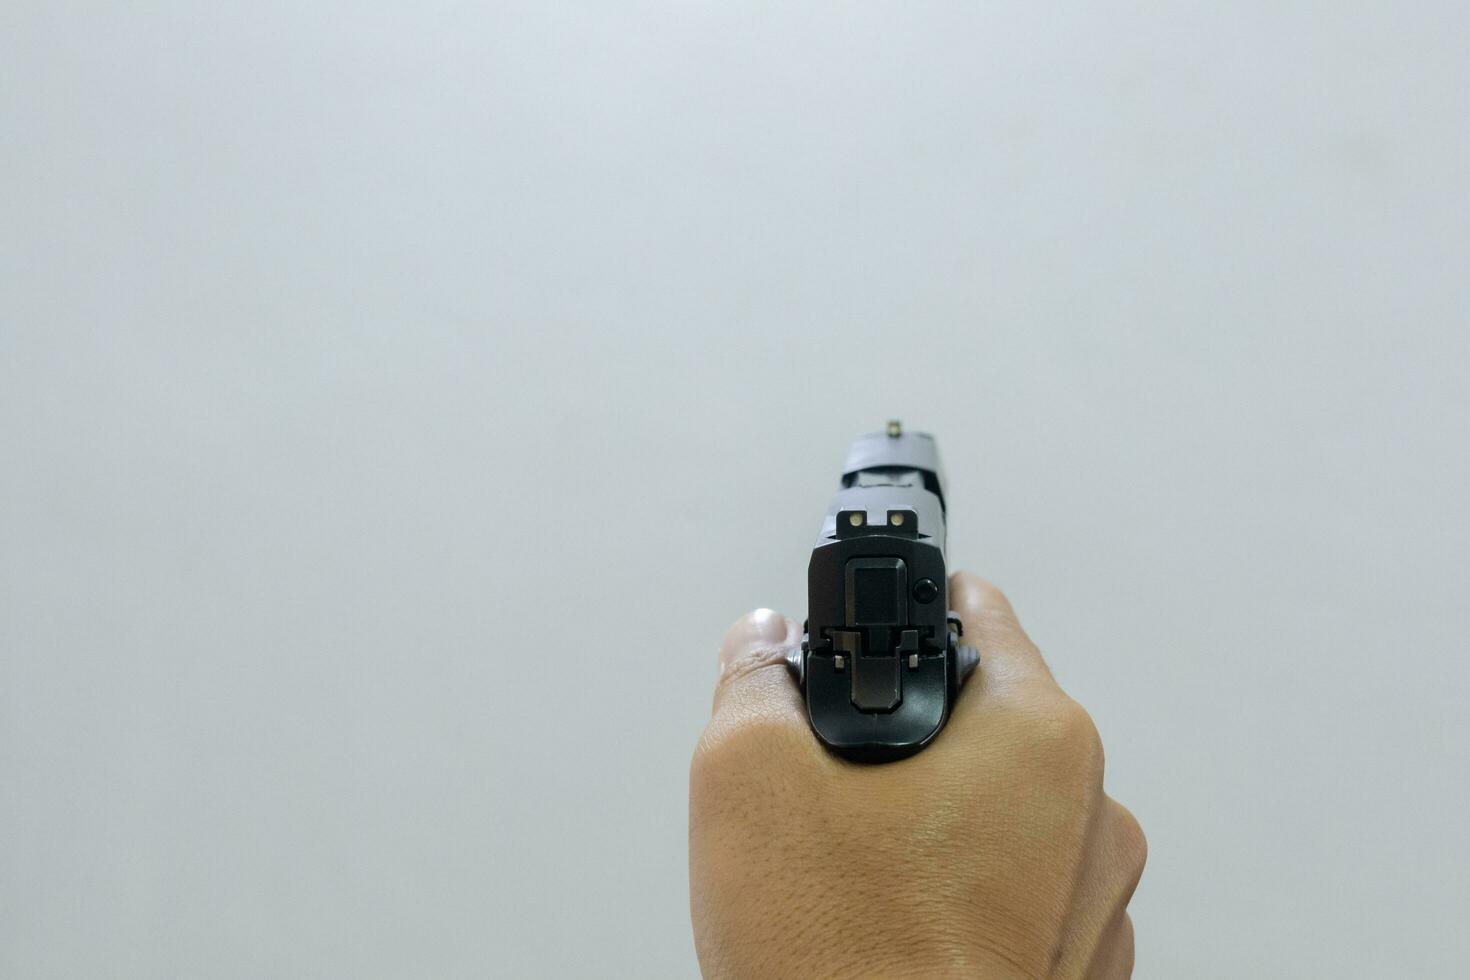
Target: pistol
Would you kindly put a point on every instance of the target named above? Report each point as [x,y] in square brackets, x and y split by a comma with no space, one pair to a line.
[881,660]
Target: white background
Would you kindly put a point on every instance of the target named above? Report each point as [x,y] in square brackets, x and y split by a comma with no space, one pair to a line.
[398,402]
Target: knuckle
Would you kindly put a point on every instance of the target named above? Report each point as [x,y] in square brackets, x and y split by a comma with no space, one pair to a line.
[1079,732]
[1129,841]
[1063,743]
[748,664]
[1074,736]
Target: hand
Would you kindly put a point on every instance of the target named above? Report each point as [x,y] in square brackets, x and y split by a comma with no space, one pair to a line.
[991,853]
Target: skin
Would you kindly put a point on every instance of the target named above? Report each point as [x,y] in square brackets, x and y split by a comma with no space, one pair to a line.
[992,853]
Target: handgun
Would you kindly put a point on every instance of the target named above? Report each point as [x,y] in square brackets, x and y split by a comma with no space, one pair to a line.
[881,660]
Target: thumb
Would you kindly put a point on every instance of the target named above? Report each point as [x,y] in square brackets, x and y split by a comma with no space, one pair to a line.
[757,640]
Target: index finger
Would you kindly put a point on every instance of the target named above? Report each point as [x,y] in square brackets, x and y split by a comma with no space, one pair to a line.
[1007,654]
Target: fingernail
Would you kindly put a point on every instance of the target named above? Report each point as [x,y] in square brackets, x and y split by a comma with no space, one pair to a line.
[760,628]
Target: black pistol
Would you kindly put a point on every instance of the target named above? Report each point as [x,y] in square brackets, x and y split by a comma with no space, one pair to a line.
[881,661]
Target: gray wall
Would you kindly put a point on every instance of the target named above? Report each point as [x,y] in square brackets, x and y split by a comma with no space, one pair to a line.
[398,403]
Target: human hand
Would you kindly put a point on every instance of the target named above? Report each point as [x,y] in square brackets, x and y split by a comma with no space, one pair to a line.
[992,853]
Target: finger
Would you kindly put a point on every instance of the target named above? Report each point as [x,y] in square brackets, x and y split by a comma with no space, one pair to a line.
[758,629]
[1114,959]
[758,640]
[1105,883]
[991,626]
